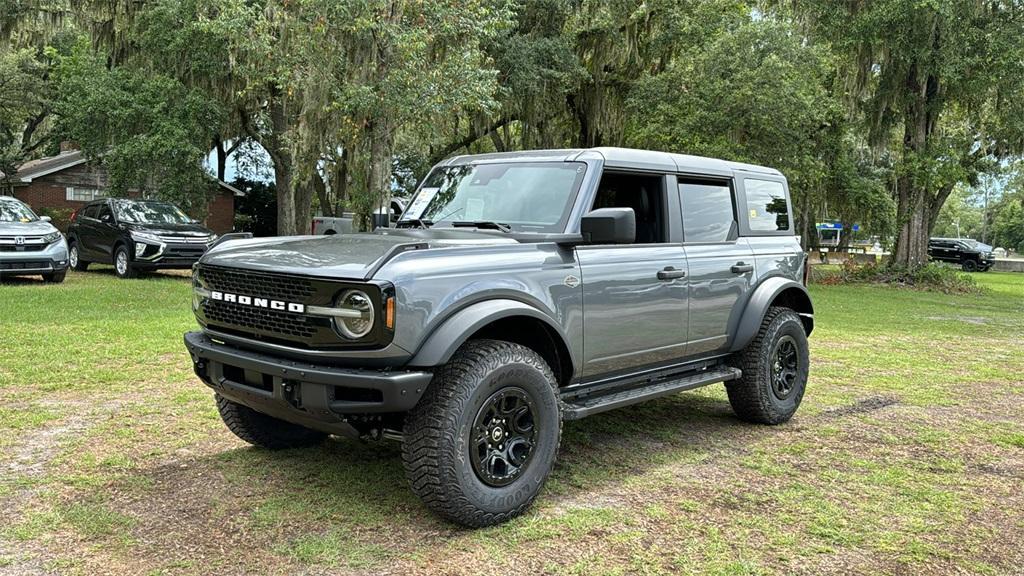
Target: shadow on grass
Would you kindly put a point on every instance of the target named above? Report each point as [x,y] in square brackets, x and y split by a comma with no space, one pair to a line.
[360,488]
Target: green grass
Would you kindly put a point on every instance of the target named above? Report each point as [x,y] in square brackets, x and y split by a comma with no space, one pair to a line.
[905,457]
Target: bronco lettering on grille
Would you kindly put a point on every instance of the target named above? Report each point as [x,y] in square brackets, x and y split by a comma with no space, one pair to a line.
[258,302]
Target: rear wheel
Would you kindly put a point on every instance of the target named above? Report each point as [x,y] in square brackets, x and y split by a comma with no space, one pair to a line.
[775,367]
[123,263]
[75,258]
[483,439]
[970,266]
[265,431]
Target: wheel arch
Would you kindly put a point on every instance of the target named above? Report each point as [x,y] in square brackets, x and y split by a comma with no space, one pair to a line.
[500,319]
[776,291]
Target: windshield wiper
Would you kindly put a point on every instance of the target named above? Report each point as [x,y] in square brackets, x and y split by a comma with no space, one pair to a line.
[415,223]
[483,224]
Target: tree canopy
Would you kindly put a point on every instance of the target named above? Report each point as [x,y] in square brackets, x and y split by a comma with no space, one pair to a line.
[876,110]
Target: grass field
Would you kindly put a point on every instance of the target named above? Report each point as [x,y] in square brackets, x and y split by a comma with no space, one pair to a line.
[907,456]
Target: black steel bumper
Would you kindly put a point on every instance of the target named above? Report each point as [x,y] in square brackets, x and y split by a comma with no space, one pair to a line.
[313,395]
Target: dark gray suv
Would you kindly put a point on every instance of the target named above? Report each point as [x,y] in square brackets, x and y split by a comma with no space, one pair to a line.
[518,290]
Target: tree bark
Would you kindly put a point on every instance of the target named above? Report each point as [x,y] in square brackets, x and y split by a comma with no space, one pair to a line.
[915,202]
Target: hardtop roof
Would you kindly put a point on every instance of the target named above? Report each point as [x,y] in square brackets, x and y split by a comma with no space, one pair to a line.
[628,158]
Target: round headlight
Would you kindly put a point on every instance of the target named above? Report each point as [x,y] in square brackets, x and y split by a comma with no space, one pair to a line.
[360,320]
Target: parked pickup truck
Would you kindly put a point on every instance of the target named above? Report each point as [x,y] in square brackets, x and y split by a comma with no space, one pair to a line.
[518,291]
[330,225]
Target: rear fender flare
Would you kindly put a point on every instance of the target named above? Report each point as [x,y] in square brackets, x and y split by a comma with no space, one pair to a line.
[763,297]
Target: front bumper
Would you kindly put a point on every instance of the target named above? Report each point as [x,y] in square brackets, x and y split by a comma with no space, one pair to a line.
[54,258]
[151,255]
[314,395]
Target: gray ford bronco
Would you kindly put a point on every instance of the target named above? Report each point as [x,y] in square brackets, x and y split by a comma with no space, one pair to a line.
[517,291]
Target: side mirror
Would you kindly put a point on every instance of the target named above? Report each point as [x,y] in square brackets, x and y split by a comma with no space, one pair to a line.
[45,219]
[609,226]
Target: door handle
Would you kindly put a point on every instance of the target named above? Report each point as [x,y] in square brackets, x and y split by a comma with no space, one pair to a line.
[740,268]
[671,273]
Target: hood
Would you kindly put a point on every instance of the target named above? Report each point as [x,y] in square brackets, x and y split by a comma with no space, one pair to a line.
[37,228]
[343,256]
[171,229]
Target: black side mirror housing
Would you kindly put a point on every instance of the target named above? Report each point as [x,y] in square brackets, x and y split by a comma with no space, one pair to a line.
[609,226]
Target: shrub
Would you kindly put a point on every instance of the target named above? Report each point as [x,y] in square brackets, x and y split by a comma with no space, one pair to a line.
[59,217]
[931,276]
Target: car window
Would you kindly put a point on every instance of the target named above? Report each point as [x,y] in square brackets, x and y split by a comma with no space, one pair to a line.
[708,213]
[104,213]
[644,193]
[91,211]
[528,196]
[767,208]
[14,211]
[150,213]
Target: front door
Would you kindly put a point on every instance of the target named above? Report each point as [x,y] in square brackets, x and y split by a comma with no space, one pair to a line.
[634,295]
[721,264]
[105,232]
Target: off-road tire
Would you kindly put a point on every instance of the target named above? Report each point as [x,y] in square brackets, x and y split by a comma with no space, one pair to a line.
[436,450]
[55,277]
[264,431]
[77,263]
[129,270]
[970,266]
[752,396]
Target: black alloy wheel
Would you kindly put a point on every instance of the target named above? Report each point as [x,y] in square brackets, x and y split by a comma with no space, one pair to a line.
[503,439]
[785,367]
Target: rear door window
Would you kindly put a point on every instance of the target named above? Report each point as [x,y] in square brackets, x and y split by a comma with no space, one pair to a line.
[708,213]
[767,209]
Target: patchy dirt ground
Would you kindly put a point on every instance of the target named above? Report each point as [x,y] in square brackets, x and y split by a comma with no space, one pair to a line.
[907,457]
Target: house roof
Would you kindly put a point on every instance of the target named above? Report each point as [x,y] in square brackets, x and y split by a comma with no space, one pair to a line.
[230,188]
[43,166]
[49,165]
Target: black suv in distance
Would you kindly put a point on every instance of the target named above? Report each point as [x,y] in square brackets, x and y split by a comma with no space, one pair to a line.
[135,236]
[969,254]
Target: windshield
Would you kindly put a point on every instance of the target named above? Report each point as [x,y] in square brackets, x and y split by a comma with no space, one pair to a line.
[150,213]
[15,211]
[528,196]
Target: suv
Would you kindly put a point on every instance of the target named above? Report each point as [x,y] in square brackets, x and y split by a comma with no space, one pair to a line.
[135,236]
[969,254]
[518,290]
[30,245]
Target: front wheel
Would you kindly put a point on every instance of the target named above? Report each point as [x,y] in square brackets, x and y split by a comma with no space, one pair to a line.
[775,367]
[123,263]
[970,266]
[75,258]
[483,439]
[55,277]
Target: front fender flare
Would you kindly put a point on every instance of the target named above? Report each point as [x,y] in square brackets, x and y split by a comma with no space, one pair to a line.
[762,298]
[442,343]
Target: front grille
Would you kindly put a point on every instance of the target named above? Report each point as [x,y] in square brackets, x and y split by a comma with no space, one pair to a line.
[27,265]
[184,239]
[22,248]
[260,319]
[287,288]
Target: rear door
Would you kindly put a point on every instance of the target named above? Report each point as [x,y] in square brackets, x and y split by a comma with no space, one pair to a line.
[721,265]
[634,295]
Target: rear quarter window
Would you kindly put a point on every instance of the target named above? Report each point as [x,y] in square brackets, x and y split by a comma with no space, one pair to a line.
[767,208]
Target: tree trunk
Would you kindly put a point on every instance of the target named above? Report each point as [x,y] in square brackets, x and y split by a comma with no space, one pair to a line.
[915,203]
[283,176]
[222,158]
[379,183]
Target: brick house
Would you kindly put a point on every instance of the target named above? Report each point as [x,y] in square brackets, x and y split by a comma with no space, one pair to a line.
[67,181]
